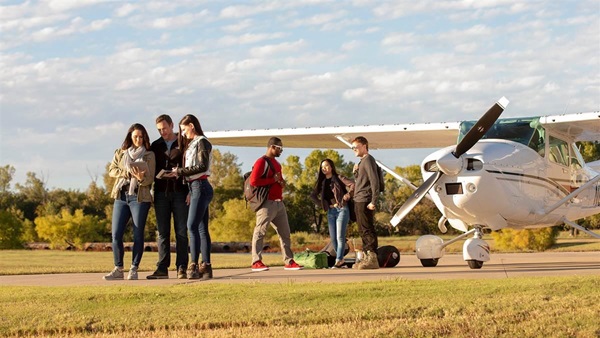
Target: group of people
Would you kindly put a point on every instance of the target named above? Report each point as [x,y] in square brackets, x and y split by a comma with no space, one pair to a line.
[177,166]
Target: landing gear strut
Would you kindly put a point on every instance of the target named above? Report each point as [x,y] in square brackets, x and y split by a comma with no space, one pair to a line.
[430,249]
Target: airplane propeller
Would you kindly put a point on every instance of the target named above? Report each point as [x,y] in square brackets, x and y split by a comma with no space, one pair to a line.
[451,163]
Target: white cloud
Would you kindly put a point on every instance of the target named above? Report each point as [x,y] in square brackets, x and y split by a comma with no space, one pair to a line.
[285,47]
[178,21]
[351,45]
[277,64]
[249,38]
[238,26]
[125,10]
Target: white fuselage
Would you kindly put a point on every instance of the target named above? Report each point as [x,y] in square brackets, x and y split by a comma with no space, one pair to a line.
[507,184]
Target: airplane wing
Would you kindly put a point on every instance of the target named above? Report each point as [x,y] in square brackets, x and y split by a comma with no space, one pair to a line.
[390,136]
[579,127]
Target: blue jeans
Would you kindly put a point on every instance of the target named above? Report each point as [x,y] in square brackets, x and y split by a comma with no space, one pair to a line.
[166,204]
[201,194]
[125,207]
[338,223]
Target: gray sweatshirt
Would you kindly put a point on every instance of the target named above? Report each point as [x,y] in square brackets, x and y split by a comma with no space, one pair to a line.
[366,187]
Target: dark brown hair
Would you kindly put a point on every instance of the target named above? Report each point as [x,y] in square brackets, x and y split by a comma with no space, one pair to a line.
[128,142]
[189,118]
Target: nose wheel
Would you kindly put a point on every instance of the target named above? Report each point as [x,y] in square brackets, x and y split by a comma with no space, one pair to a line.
[473,264]
[476,250]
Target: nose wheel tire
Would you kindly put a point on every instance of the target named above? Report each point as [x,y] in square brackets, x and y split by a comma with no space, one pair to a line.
[429,263]
[473,264]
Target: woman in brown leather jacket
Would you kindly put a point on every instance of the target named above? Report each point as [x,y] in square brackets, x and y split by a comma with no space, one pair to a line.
[333,192]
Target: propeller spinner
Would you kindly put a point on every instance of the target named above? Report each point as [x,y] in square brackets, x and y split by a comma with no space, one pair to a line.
[451,163]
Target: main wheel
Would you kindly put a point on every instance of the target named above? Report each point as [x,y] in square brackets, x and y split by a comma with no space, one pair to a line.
[428,263]
[473,264]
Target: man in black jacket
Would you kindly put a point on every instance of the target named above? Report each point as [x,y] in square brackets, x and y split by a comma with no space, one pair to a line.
[169,199]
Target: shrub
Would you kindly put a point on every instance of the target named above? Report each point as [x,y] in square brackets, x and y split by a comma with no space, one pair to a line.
[65,227]
[523,240]
[11,229]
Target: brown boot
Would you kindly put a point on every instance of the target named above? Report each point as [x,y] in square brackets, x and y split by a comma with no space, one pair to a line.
[358,263]
[206,271]
[370,261]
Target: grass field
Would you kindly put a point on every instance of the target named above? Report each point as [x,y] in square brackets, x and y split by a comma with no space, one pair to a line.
[512,307]
[518,307]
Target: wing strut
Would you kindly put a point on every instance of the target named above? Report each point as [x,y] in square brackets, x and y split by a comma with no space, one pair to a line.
[386,169]
[577,226]
[572,195]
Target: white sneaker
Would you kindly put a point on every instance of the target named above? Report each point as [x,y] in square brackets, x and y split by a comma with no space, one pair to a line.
[116,274]
[133,275]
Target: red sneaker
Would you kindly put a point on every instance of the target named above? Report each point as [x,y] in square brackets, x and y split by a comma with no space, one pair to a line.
[293,266]
[259,266]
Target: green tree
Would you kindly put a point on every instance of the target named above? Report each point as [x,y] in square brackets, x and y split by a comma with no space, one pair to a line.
[292,170]
[225,171]
[235,224]
[590,150]
[6,175]
[96,200]
[34,194]
[226,179]
[11,230]
[68,227]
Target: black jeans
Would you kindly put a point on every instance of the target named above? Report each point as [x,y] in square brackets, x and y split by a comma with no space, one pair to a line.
[366,226]
[166,204]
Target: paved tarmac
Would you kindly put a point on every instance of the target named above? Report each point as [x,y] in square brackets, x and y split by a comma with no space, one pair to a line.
[449,267]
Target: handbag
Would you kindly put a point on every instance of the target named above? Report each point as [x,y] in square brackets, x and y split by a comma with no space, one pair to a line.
[311,260]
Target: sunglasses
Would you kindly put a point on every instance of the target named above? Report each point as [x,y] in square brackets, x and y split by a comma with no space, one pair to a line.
[277,147]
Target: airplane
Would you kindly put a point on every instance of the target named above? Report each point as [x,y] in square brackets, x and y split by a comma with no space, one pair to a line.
[518,173]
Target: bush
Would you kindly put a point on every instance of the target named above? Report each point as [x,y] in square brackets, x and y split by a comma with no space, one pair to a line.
[76,228]
[523,240]
[11,229]
[235,224]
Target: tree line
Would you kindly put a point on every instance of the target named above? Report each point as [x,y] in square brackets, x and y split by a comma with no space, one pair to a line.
[31,212]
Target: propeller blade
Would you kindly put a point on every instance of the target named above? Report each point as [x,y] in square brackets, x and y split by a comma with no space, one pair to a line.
[481,127]
[415,198]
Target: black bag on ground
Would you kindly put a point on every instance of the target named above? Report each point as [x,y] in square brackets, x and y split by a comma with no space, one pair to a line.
[256,196]
[388,256]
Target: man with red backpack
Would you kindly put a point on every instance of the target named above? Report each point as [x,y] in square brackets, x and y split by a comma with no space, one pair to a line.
[272,211]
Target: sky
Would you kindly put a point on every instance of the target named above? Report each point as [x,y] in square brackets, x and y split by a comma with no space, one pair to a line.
[75,74]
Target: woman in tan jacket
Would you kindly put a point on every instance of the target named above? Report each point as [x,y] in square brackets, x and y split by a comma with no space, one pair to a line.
[133,166]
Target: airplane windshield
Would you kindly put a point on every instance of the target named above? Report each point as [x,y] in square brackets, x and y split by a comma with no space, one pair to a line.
[526,131]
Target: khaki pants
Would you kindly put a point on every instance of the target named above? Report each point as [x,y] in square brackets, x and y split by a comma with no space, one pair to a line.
[272,212]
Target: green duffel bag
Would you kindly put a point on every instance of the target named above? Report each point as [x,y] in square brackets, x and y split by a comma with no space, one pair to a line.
[311,260]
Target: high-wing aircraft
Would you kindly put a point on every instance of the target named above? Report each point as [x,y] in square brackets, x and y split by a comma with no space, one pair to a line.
[493,173]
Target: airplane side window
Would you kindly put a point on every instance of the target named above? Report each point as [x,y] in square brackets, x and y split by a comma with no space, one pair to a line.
[559,151]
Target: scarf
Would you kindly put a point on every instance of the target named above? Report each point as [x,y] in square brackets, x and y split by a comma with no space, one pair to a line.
[130,156]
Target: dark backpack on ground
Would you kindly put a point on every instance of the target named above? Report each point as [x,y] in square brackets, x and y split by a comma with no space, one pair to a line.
[256,196]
